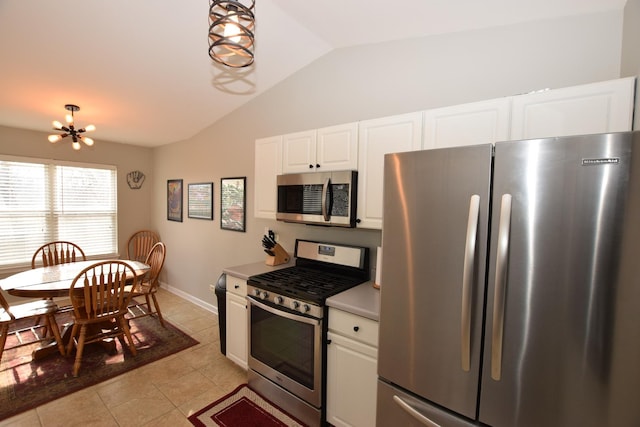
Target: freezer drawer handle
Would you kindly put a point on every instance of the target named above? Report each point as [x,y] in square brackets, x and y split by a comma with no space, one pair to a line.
[415,414]
[502,256]
[467,280]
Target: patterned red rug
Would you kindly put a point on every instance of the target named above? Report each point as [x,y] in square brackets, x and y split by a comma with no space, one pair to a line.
[26,383]
[243,407]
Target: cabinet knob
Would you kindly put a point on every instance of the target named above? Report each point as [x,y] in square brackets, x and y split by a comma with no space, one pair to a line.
[317,165]
[358,221]
[310,166]
[237,286]
[356,328]
[328,342]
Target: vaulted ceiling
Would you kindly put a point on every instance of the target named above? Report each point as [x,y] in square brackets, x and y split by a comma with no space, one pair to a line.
[140,70]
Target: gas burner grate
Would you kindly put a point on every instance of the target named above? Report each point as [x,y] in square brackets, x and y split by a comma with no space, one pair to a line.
[309,284]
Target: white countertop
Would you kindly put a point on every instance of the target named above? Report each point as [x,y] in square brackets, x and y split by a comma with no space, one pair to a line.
[362,300]
[247,270]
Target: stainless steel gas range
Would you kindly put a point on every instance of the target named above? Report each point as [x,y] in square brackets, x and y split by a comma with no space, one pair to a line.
[288,324]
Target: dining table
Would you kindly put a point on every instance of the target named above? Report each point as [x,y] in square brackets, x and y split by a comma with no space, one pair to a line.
[54,281]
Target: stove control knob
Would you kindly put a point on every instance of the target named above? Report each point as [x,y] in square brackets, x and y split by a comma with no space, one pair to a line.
[278,300]
[264,295]
[256,292]
[295,305]
[306,308]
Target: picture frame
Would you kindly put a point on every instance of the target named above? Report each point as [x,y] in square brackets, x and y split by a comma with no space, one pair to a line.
[200,200]
[174,200]
[233,201]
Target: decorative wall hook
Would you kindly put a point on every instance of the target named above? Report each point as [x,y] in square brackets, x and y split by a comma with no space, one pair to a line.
[135,179]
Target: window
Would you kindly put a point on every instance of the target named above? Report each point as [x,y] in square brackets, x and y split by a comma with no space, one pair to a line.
[46,200]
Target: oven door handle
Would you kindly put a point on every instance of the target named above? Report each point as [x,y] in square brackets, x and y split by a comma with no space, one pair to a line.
[282,313]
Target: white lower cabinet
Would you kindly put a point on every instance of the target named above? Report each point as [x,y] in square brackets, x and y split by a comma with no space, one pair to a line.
[237,321]
[352,365]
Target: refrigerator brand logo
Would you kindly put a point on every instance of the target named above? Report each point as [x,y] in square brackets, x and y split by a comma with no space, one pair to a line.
[605,161]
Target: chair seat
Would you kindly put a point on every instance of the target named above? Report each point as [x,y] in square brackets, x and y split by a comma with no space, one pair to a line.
[29,309]
[24,335]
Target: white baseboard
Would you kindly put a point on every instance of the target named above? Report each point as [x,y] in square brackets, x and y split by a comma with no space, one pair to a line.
[200,303]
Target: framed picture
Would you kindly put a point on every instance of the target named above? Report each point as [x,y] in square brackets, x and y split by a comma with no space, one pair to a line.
[174,200]
[232,203]
[200,201]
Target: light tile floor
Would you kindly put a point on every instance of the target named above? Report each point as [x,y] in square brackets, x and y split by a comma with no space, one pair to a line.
[163,393]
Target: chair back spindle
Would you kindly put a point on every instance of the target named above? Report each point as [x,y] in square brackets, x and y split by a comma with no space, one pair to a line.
[140,243]
[57,252]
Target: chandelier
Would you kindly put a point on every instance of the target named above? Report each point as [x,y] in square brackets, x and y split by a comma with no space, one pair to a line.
[70,130]
[231,32]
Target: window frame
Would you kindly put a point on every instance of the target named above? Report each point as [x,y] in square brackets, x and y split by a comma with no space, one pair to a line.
[53,215]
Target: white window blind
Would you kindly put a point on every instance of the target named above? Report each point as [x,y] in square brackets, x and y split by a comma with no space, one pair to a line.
[46,200]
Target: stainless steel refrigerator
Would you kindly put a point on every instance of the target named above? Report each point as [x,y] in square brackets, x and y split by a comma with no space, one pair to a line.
[510,291]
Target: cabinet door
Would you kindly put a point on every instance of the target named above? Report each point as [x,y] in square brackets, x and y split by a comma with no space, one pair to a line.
[467,124]
[351,382]
[299,152]
[375,139]
[578,110]
[268,165]
[337,147]
[237,329]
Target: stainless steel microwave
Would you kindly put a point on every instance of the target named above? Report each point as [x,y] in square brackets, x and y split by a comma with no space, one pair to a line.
[320,198]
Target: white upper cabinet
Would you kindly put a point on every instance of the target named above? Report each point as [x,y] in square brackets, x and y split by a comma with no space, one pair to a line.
[376,138]
[337,147]
[327,149]
[268,165]
[577,110]
[467,124]
[299,152]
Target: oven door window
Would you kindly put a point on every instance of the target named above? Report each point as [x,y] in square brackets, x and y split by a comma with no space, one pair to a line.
[283,344]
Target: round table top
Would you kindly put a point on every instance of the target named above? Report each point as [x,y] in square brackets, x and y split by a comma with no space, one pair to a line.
[55,280]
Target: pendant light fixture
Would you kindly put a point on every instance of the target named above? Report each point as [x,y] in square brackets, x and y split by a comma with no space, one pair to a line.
[70,129]
[231,32]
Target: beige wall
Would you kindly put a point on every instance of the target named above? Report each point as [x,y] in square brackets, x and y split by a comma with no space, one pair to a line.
[631,49]
[133,205]
[362,83]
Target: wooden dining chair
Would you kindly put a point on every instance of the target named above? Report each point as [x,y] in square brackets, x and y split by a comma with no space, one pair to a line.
[54,253]
[149,285]
[57,252]
[11,317]
[140,243]
[99,298]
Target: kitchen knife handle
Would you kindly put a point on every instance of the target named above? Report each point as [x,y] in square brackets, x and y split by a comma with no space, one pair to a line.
[325,189]
[467,280]
[502,257]
[414,413]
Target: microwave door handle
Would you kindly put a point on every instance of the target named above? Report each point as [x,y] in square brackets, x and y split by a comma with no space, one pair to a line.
[326,208]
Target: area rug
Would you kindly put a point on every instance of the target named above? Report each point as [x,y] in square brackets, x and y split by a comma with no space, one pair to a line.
[243,407]
[26,383]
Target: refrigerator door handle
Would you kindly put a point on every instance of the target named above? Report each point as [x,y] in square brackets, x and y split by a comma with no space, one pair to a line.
[415,414]
[467,280]
[502,255]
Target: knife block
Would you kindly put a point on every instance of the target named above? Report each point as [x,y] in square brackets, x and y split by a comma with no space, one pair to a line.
[280,256]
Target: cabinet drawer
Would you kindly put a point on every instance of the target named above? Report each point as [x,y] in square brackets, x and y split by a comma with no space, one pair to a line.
[354,326]
[236,286]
